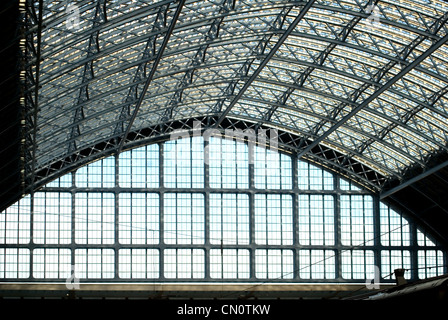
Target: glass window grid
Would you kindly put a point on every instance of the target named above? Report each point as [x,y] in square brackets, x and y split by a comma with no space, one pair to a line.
[229,219]
[52,218]
[358,264]
[311,177]
[184,218]
[94,218]
[394,229]
[184,163]
[184,263]
[395,259]
[430,263]
[273,219]
[94,263]
[88,261]
[357,223]
[228,163]
[139,168]
[274,264]
[15,223]
[14,263]
[317,264]
[272,169]
[52,263]
[98,174]
[139,263]
[316,219]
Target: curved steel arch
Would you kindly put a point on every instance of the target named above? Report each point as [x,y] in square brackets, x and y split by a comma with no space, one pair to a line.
[89,92]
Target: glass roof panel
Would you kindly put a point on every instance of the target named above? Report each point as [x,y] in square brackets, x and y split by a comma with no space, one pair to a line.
[316,69]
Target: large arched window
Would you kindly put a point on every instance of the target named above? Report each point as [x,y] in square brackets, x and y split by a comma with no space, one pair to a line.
[196,209]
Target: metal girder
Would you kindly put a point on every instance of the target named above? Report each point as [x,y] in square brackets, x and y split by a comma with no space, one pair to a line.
[402,56]
[376,94]
[368,136]
[294,145]
[396,123]
[87,74]
[290,88]
[265,61]
[151,74]
[141,13]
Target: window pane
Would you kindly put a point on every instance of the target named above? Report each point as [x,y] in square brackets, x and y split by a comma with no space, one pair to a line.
[317,264]
[228,163]
[395,259]
[15,222]
[94,263]
[138,218]
[272,170]
[139,168]
[184,163]
[14,263]
[229,264]
[316,219]
[184,263]
[274,264]
[139,263]
[430,263]
[357,220]
[358,264]
[229,219]
[184,218]
[52,263]
[52,223]
[394,228]
[98,174]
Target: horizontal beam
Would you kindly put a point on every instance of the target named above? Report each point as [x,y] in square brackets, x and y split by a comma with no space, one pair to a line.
[415,179]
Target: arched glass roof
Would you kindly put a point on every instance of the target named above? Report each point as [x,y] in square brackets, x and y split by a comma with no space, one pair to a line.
[359,86]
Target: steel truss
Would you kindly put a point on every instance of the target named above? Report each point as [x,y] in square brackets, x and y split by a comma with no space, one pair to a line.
[337,249]
[231,64]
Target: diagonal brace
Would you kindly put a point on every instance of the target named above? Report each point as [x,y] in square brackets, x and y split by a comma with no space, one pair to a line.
[151,74]
[376,94]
